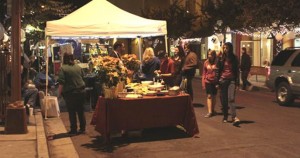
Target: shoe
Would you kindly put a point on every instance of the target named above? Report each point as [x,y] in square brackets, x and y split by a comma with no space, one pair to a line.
[214,113]
[249,88]
[225,121]
[72,133]
[208,115]
[235,120]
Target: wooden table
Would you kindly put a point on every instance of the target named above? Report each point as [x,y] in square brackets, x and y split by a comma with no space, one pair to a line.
[147,112]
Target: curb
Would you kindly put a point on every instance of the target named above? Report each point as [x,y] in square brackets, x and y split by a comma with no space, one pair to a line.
[59,142]
[42,146]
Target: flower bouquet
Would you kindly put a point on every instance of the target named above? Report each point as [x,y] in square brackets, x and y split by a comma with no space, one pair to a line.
[109,72]
[132,64]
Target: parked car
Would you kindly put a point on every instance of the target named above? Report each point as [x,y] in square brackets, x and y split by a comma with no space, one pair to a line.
[284,76]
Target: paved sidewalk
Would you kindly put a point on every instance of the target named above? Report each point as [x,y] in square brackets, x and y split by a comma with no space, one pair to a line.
[259,83]
[29,145]
[45,138]
[60,143]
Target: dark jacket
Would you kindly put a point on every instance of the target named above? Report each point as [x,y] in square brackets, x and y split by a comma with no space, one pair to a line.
[71,77]
[190,64]
[113,54]
[149,67]
[245,62]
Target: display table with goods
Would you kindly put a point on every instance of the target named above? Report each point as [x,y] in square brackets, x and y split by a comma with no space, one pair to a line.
[115,115]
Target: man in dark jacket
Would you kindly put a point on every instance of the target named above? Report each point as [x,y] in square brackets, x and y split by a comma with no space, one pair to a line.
[245,68]
[189,67]
[118,50]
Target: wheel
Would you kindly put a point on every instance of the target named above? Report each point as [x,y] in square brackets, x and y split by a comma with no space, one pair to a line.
[284,94]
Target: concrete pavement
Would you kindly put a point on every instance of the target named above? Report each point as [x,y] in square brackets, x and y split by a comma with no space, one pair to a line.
[29,145]
[48,137]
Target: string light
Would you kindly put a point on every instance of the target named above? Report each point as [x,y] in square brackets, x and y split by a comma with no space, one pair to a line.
[265,32]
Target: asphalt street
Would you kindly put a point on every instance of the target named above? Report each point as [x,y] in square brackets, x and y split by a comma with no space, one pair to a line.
[266,130]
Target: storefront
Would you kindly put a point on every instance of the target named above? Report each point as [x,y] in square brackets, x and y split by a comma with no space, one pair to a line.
[259,47]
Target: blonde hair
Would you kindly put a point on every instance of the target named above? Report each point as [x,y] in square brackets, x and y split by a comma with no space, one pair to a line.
[148,54]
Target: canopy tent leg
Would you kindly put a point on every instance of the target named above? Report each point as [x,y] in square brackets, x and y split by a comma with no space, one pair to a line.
[140,48]
[166,44]
[47,63]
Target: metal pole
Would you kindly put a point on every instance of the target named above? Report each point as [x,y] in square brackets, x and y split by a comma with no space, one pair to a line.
[47,63]
[166,44]
[140,48]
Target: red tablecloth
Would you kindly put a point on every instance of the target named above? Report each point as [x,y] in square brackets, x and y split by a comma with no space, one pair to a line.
[148,112]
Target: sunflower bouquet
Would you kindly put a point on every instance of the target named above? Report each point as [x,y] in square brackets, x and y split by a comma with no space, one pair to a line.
[131,62]
[108,70]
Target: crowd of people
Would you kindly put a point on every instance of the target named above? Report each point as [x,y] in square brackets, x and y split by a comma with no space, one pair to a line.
[220,74]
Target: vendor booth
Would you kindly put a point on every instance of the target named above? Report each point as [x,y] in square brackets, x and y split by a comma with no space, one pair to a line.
[101,19]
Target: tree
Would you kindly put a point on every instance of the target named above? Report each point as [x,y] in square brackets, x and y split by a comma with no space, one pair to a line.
[254,15]
[38,12]
[274,14]
[179,20]
[221,14]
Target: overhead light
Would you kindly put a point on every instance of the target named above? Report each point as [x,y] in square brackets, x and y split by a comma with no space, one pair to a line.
[270,36]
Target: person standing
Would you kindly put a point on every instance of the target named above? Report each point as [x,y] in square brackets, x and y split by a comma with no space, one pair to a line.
[209,82]
[72,88]
[228,80]
[178,63]
[166,68]
[189,67]
[150,64]
[245,69]
[119,48]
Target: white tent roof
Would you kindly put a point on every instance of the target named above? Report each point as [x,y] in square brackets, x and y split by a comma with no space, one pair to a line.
[99,18]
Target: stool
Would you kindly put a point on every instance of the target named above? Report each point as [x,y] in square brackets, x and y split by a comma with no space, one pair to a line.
[89,90]
[16,121]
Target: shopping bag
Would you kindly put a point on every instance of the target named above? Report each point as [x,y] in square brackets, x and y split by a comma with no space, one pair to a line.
[183,84]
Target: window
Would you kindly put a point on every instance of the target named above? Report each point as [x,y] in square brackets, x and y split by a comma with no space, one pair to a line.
[296,61]
[282,57]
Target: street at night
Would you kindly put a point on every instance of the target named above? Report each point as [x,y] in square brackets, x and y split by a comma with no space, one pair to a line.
[266,130]
[123,79]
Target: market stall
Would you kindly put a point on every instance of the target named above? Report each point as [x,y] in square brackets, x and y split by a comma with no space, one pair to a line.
[101,19]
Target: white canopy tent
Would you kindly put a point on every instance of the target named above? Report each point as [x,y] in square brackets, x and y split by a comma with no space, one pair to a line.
[101,19]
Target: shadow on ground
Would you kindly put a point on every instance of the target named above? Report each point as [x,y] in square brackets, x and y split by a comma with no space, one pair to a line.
[242,122]
[296,104]
[198,105]
[147,135]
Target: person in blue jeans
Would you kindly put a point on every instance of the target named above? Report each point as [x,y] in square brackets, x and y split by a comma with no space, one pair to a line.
[228,81]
